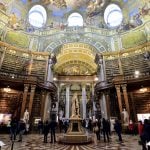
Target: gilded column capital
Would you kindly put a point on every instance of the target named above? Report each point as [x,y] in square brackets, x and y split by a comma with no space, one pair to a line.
[83,85]
[33,88]
[124,86]
[43,93]
[106,92]
[68,86]
[117,87]
[26,87]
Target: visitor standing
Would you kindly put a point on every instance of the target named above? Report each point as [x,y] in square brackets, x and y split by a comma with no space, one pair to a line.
[96,130]
[118,129]
[140,128]
[105,129]
[21,129]
[53,125]
[45,130]
[13,128]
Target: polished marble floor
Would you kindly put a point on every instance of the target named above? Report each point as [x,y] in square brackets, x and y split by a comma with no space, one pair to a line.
[35,142]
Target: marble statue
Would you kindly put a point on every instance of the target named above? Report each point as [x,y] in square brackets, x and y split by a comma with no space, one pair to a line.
[26,116]
[125,116]
[75,105]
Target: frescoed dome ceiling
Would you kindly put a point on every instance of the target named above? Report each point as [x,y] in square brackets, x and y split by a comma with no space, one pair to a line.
[92,11]
[91,7]
[75,59]
[132,13]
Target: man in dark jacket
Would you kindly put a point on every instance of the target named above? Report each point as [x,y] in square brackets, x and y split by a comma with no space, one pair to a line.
[145,136]
[53,125]
[13,128]
[118,129]
[21,129]
[105,129]
[45,131]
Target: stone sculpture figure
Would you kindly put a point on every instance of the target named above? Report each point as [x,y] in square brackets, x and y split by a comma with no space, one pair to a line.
[125,116]
[75,105]
[26,116]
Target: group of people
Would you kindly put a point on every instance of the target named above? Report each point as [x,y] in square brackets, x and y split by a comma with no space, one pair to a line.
[46,128]
[17,127]
[144,132]
[102,127]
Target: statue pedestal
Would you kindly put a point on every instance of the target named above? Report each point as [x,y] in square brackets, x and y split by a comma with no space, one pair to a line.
[124,128]
[75,133]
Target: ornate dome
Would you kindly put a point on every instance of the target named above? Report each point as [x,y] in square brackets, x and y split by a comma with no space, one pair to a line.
[133,12]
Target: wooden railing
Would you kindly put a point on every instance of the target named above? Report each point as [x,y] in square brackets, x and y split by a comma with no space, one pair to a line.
[128,65]
[100,86]
[7,76]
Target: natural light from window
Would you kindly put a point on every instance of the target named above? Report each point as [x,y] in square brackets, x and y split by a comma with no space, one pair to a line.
[75,19]
[37,16]
[113,15]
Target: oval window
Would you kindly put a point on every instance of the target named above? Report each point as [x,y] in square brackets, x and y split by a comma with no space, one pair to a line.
[37,16]
[113,15]
[75,19]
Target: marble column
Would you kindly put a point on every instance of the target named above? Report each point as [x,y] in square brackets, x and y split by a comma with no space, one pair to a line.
[103,106]
[25,93]
[47,106]
[119,97]
[58,92]
[84,100]
[67,114]
[42,104]
[125,94]
[94,111]
[31,98]
[93,102]
[107,104]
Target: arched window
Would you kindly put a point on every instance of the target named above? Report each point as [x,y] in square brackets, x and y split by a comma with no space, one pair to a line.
[37,16]
[113,15]
[75,19]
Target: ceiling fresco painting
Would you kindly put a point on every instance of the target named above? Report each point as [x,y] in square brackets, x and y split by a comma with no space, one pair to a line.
[91,7]
[79,61]
[2,7]
[135,13]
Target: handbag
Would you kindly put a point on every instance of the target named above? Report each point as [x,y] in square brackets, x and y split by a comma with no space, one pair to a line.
[96,129]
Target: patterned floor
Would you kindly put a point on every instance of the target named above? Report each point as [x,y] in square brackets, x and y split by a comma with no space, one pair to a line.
[35,142]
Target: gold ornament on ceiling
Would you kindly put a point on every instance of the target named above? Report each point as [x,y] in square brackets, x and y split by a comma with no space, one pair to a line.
[57,3]
[75,70]
[75,59]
